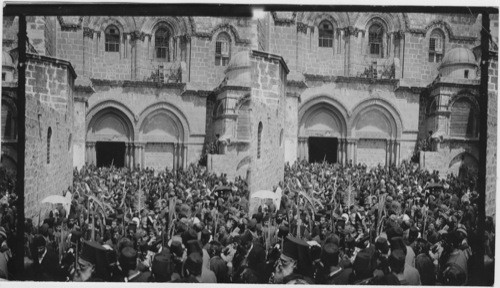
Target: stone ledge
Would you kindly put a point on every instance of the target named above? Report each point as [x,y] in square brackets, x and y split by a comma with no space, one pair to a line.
[267,55]
[131,83]
[30,56]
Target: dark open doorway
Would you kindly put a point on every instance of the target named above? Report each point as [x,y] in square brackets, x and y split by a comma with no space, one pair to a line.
[110,153]
[323,149]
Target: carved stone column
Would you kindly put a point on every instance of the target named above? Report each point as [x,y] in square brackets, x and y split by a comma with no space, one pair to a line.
[174,156]
[390,151]
[339,151]
[398,152]
[387,152]
[127,157]
[355,151]
[391,45]
[138,154]
[185,156]
[91,153]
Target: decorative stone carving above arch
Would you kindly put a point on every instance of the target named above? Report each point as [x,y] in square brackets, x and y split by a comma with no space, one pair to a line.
[125,24]
[320,111]
[121,112]
[338,19]
[179,25]
[465,93]
[393,21]
[229,29]
[111,125]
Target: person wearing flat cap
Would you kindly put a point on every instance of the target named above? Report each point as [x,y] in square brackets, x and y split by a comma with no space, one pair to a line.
[293,264]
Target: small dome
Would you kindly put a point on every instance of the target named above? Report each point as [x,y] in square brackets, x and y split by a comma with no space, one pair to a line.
[239,60]
[459,56]
[7,60]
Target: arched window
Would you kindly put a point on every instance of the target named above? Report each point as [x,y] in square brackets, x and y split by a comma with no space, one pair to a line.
[325,34]
[161,43]
[9,129]
[463,120]
[436,46]
[112,39]
[431,108]
[259,138]
[222,49]
[49,136]
[243,126]
[375,40]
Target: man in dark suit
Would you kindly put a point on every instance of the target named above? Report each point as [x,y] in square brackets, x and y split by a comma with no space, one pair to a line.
[45,262]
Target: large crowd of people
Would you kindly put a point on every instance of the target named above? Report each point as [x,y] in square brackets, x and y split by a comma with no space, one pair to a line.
[333,224]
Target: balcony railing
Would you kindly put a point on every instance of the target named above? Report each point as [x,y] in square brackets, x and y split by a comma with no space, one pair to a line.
[375,70]
[168,72]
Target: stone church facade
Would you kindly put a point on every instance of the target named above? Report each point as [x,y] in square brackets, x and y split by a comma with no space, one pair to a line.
[316,86]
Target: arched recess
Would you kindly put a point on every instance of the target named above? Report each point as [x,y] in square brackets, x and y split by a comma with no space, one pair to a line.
[125,24]
[376,128]
[386,109]
[392,21]
[9,119]
[323,130]
[244,125]
[110,135]
[462,162]
[170,111]
[164,132]
[320,108]
[339,19]
[464,116]
[9,158]
[110,125]
[122,111]
[179,25]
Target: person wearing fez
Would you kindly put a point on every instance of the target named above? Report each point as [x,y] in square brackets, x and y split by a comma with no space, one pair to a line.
[333,273]
[128,264]
[294,262]
[192,268]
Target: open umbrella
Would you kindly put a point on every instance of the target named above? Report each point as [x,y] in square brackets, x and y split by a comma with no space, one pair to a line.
[56,199]
[264,194]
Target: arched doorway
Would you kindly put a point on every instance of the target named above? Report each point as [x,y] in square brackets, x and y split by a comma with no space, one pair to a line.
[109,135]
[462,163]
[322,131]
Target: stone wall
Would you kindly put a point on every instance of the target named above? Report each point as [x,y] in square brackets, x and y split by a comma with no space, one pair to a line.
[269,74]
[491,153]
[50,36]
[79,132]
[295,37]
[448,158]
[36,33]
[49,105]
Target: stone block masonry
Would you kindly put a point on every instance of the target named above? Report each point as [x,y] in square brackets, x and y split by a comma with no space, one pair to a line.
[491,152]
[268,74]
[49,126]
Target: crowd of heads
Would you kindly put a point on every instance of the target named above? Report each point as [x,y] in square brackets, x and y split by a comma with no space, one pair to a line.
[334,224]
